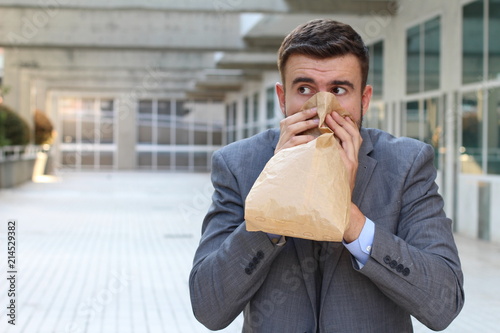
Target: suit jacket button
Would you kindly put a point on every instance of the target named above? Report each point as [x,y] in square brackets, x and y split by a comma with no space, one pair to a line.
[248,271]
[387,259]
[251,265]
[399,268]
[393,264]
[255,260]
[260,254]
[406,271]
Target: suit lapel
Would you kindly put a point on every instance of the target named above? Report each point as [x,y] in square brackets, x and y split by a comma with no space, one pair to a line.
[366,165]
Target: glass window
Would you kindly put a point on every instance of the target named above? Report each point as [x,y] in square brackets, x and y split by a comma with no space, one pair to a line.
[182,160]
[230,123]
[146,107]
[106,159]
[217,136]
[163,160]
[493,149]
[182,133]
[431,54]
[431,130]
[200,160]
[180,109]
[471,158]
[246,116]
[106,105]
[376,74]
[200,134]
[163,133]
[88,131]
[88,107]
[69,131]
[413,60]
[246,110]
[472,42]
[270,103]
[87,158]
[145,132]
[256,107]
[255,113]
[494,40]
[422,56]
[106,132]
[374,118]
[412,120]
[164,108]
[145,159]
[69,158]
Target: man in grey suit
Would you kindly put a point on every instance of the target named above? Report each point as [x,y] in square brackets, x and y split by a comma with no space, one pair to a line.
[398,257]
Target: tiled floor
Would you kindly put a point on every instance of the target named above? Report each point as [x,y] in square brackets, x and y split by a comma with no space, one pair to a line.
[111,252]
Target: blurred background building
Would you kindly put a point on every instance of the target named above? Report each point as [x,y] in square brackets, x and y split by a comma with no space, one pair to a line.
[160,85]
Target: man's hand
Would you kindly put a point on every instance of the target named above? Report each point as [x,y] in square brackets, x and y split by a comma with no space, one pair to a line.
[347,132]
[292,126]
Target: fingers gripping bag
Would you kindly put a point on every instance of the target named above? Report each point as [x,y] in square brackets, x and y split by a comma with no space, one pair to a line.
[304,191]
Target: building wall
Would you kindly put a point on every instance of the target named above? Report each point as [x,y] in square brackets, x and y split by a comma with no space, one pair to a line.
[470,189]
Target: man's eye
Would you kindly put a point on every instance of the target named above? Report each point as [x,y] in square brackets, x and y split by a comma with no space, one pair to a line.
[305,90]
[338,91]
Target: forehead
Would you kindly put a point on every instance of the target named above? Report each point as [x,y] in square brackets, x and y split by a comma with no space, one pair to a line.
[345,67]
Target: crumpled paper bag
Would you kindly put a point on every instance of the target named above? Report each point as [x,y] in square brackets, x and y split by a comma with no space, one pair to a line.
[304,191]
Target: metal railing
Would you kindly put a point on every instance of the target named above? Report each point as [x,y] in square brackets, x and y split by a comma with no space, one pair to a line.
[17,153]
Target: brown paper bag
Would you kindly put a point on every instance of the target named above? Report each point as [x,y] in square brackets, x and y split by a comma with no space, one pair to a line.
[303,191]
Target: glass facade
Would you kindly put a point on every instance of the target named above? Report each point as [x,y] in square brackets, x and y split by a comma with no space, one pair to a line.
[481,22]
[432,33]
[423,122]
[471,157]
[88,129]
[493,130]
[176,134]
[231,121]
[246,117]
[472,42]
[480,150]
[494,40]
[413,60]
[270,103]
[376,73]
[423,44]
[256,113]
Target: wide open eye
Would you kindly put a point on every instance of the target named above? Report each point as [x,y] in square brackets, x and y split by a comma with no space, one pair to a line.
[305,90]
[339,91]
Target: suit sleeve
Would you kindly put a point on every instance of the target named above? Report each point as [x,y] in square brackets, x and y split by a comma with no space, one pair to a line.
[230,263]
[418,266]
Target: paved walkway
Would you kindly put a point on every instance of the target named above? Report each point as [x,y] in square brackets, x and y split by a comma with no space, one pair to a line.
[111,252]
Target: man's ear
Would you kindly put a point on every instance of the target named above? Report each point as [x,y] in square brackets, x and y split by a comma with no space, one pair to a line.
[366,98]
[280,92]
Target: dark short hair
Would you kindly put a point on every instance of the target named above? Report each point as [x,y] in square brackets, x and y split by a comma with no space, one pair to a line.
[324,38]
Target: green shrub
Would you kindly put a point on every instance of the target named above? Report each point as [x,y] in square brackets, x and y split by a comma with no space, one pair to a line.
[14,130]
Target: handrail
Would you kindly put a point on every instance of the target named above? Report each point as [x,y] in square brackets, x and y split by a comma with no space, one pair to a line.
[18,153]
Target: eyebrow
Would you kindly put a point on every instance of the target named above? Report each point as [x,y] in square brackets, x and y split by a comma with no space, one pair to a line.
[332,83]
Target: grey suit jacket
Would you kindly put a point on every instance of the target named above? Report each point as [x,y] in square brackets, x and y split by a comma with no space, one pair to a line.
[413,268]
